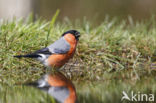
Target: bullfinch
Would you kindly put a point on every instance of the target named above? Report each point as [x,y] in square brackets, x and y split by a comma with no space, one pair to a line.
[58,53]
[57,86]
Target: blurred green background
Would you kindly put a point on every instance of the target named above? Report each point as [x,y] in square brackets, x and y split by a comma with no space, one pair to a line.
[78,9]
[97,9]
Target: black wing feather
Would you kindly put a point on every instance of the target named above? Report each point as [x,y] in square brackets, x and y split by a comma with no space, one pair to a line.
[43,51]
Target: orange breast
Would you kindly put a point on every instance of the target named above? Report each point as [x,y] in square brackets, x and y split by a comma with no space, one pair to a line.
[58,60]
[72,95]
[58,79]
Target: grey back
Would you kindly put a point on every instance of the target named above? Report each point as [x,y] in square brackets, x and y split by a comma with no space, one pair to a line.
[59,93]
[60,46]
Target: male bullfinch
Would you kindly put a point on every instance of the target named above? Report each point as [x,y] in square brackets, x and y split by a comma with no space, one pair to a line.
[58,53]
[58,86]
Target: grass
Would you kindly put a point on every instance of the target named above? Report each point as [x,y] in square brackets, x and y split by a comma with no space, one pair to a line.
[111,57]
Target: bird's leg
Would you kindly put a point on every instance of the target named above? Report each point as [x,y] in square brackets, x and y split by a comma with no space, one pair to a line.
[48,69]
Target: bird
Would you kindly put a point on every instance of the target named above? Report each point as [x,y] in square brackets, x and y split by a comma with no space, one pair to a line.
[57,86]
[58,53]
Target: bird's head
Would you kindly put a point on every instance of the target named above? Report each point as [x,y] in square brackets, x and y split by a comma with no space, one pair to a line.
[73,32]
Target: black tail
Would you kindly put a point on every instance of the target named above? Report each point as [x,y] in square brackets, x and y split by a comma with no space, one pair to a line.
[33,84]
[28,56]
[36,85]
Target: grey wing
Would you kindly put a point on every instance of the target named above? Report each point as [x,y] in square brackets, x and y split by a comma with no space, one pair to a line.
[60,46]
[59,93]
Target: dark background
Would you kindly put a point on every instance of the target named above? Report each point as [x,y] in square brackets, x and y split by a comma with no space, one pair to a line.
[78,9]
[97,9]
